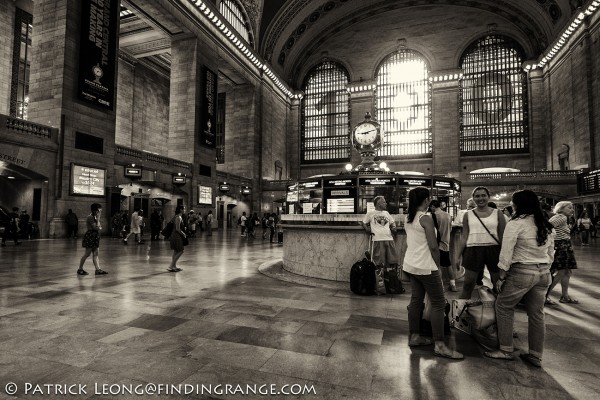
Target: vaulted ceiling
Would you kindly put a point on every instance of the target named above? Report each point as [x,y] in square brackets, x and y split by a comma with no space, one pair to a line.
[293,34]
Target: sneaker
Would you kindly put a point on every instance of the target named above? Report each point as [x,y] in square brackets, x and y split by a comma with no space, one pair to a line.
[101,272]
[82,272]
[124,241]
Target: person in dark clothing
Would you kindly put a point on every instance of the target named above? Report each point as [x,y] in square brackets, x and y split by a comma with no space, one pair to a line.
[156,223]
[12,228]
[72,224]
[24,226]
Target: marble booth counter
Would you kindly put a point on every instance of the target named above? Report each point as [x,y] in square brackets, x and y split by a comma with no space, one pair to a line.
[326,246]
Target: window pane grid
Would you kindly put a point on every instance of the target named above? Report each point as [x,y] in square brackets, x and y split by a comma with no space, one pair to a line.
[232,13]
[403,105]
[23,33]
[493,98]
[325,115]
[220,129]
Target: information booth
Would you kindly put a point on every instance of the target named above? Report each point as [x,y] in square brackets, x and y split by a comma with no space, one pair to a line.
[322,214]
[353,194]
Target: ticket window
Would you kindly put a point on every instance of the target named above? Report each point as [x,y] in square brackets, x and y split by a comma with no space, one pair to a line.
[368,193]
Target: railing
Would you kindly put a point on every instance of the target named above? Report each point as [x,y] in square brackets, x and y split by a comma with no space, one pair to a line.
[528,176]
[142,156]
[25,127]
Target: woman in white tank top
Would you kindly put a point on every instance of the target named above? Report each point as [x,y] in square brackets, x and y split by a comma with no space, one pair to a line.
[421,263]
[482,232]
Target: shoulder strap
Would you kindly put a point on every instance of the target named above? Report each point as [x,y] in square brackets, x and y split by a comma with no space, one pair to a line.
[486,229]
[437,227]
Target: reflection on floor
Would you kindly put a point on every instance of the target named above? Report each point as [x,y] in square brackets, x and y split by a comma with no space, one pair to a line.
[219,321]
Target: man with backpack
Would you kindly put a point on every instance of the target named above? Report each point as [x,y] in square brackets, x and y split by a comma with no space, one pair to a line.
[380,224]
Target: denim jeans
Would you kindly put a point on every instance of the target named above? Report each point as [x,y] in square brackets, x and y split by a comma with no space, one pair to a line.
[530,282]
[432,284]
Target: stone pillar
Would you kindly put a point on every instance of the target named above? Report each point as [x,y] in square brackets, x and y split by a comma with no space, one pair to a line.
[293,142]
[537,116]
[445,124]
[53,101]
[188,58]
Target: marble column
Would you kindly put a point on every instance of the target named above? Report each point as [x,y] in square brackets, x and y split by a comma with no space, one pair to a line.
[445,125]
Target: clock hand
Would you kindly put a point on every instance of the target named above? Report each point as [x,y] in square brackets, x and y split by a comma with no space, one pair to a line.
[364,133]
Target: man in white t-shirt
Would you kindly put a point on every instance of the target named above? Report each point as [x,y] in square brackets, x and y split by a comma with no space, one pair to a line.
[381,225]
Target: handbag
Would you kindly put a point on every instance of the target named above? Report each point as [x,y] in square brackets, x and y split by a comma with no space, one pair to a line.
[482,311]
[168,230]
[185,240]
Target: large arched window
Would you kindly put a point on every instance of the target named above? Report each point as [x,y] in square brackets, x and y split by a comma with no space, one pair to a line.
[403,105]
[325,114]
[493,104]
[235,15]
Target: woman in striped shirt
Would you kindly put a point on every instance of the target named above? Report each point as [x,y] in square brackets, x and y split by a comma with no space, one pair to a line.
[564,258]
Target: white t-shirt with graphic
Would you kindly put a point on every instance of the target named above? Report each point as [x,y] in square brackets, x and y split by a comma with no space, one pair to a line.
[380,222]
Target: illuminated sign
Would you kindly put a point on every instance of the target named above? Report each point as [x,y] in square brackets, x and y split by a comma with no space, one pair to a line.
[204,194]
[224,187]
[310,185]
[340,182]
[340,192]
[179,180]
[87,181]
[377,181]
[131,172]
[344,205]
[246,190]
[442,184]
[414,182]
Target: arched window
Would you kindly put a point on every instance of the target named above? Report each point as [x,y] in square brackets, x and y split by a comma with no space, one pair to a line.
[403,105]
[325,124]
[493,104]
[235,15]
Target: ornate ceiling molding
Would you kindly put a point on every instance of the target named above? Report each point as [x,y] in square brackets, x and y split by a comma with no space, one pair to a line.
[277,51]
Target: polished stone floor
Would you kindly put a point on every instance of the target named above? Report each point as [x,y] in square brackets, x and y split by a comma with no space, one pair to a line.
[220,321]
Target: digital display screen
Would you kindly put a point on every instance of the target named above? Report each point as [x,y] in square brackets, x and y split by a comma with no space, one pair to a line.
[88,181]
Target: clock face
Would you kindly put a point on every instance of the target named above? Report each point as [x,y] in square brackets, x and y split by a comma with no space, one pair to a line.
[365,134]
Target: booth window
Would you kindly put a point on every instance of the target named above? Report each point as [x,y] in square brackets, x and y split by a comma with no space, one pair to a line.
[403,105]
[325,122]
[237,17]
[220,129]
[493,98]
[19,93]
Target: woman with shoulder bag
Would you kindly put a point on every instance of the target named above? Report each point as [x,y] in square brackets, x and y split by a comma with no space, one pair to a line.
[91,240]
[584,224]
[177,239]
[482,232]
[525,259]
[422,264]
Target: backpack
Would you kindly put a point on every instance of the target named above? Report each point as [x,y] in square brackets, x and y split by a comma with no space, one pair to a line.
[362,278]
[240,221]
[168,230]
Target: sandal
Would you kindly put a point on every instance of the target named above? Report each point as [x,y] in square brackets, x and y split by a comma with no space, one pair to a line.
[453,355]
[499,355]
[549,302]
[568,300]
[531,359]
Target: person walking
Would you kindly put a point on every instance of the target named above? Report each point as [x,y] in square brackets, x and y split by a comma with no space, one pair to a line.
[24,225]
[72,224]
[483,228]
[584,223]
[209,218]
[564,257]
[135,226]
[525,258]
[243,221]
[12,228]
[422,264]
[443,224]
[91,240]
[271,224]
[177,238]
[265,225]
[156,223]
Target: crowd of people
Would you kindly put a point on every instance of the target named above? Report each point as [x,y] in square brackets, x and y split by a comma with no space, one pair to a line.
[249,224]
[526,248]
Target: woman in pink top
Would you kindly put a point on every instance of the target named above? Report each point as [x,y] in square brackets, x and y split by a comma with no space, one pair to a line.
[422,264]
